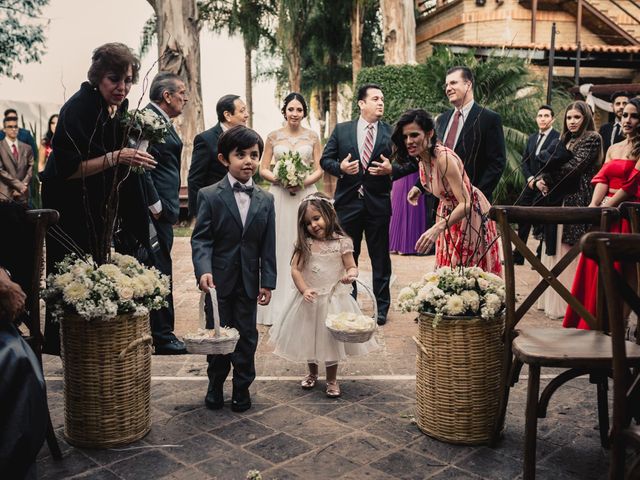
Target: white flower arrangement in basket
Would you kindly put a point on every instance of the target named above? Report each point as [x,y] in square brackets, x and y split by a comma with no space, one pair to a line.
[215,341]
[458,291]
[122,286]
[353,327]
[290,170]
[144,127]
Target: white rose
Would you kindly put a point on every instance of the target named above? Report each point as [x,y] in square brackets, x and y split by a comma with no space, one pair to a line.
[75,292]
[483,283]
[454,305]
[471,299]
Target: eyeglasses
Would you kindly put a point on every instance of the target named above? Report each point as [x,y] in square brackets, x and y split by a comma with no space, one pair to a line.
[11,126]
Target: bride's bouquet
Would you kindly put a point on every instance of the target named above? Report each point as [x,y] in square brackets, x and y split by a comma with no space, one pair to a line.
[290,170]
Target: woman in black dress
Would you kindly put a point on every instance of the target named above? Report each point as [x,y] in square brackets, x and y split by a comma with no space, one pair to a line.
[88,176]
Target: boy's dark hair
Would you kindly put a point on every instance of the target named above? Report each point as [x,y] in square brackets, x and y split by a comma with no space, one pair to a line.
[547,107]
[226,104]
[466,72]
[9,111]
[239,137]
[362,91]
[9,119]
[619,93]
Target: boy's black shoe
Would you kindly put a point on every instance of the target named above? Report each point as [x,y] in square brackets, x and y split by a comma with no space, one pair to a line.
[214,399]
[172,347]
[518,259]
[240,402]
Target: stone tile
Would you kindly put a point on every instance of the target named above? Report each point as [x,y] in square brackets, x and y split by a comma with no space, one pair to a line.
[445,452]
[285,392]
[280,474]
[453,473]
[99,474]
[148,465]
[181,402]
[396,430]
[490,464]
[232,465]
[367,473]
[320,431]
[356,390]
[279,448]
[62,443]
[205,419]
[407,464]
[73,463]
[242,432]
[361,447]
[187,473]
[110,455]
[388,403]
[170,431]
[324,406]
[586,464]
[357,416]
[315,464]
[281,417]
[512,444]
[197,449]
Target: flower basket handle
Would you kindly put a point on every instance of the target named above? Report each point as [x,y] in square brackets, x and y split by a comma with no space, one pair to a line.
[216,314]
[420,346]
[366,289]
[134,344]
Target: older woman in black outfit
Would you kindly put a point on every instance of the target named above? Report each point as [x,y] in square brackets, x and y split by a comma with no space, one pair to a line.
[89,153]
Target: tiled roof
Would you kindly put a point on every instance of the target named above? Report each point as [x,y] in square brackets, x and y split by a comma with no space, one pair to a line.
[563,47]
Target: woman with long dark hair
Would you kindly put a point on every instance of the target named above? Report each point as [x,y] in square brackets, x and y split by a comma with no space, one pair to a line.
[570,164]
[620,165]
[45,144]
[463,234]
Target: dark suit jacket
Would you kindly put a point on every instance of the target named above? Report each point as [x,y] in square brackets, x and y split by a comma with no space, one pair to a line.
[480,146]
[15,173]
[377,188]
[605,133]
[205,168]
[531,165]
[163,183]
[222,247]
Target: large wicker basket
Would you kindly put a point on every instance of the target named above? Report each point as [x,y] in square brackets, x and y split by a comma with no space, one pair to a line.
[107,380]
[458,369]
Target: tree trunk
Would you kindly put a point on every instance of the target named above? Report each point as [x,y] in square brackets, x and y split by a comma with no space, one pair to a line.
[398,31]
[357,25]
[178,30]
[293,65]
[248,85]
[292,20]
[329,180]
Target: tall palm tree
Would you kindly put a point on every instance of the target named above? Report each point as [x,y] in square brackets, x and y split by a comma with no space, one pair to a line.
[292,24]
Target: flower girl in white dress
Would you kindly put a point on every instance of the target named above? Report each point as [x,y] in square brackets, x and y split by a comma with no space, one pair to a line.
[323,257]
[292,137]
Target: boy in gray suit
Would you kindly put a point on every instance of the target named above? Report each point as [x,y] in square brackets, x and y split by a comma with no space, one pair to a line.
[233,249]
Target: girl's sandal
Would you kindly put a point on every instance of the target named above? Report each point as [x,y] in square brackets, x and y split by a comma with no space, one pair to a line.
[333,390]
[309,381]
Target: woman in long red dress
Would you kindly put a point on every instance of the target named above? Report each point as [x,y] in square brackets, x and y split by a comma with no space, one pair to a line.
[463,234]
[620,168]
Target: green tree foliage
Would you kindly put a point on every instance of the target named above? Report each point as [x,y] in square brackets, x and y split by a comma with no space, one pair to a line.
[21,34]
[502,83]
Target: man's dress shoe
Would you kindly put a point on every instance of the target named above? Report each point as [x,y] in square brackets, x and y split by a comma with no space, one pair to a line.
[172,347]
[214,399]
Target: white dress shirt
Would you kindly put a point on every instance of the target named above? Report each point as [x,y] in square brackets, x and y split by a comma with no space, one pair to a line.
[243,200]
[465,113]
[156,208]
[362,134]
[11,144]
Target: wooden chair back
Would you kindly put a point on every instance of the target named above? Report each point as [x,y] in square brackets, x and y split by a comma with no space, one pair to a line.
[607,249]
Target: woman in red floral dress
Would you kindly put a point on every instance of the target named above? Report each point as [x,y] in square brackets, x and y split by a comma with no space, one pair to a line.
[463,234]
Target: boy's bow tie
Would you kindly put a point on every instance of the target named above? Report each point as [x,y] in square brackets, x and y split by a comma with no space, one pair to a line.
[238,187]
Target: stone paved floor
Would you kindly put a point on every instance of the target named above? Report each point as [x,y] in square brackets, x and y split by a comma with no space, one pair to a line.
[369,433]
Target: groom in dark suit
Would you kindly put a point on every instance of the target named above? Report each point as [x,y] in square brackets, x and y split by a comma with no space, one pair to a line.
[205,169]
[358,154]
[168,96]
[234,249]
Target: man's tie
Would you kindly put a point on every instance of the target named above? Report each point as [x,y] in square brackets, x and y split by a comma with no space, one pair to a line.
[14,150]
[615,133]
[367,148]
[238,187]
[450,142]
[539,143]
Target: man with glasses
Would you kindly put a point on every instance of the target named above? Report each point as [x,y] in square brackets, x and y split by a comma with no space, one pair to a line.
[24,135]
[16,164]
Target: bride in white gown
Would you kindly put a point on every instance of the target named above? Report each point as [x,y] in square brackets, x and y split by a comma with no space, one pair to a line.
[292,137]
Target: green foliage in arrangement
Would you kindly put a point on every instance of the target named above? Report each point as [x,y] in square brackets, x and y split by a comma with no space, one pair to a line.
[502,83]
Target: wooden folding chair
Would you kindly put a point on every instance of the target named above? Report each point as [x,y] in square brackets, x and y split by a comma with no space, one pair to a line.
[581,352]
[607,249]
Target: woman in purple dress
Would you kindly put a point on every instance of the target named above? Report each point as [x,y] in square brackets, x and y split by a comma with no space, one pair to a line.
[407,222]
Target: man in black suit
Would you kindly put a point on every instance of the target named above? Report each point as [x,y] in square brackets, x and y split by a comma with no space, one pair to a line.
[531,166]
[168,96]
[612,132]
[205,168]
[357,153]
[233,248]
